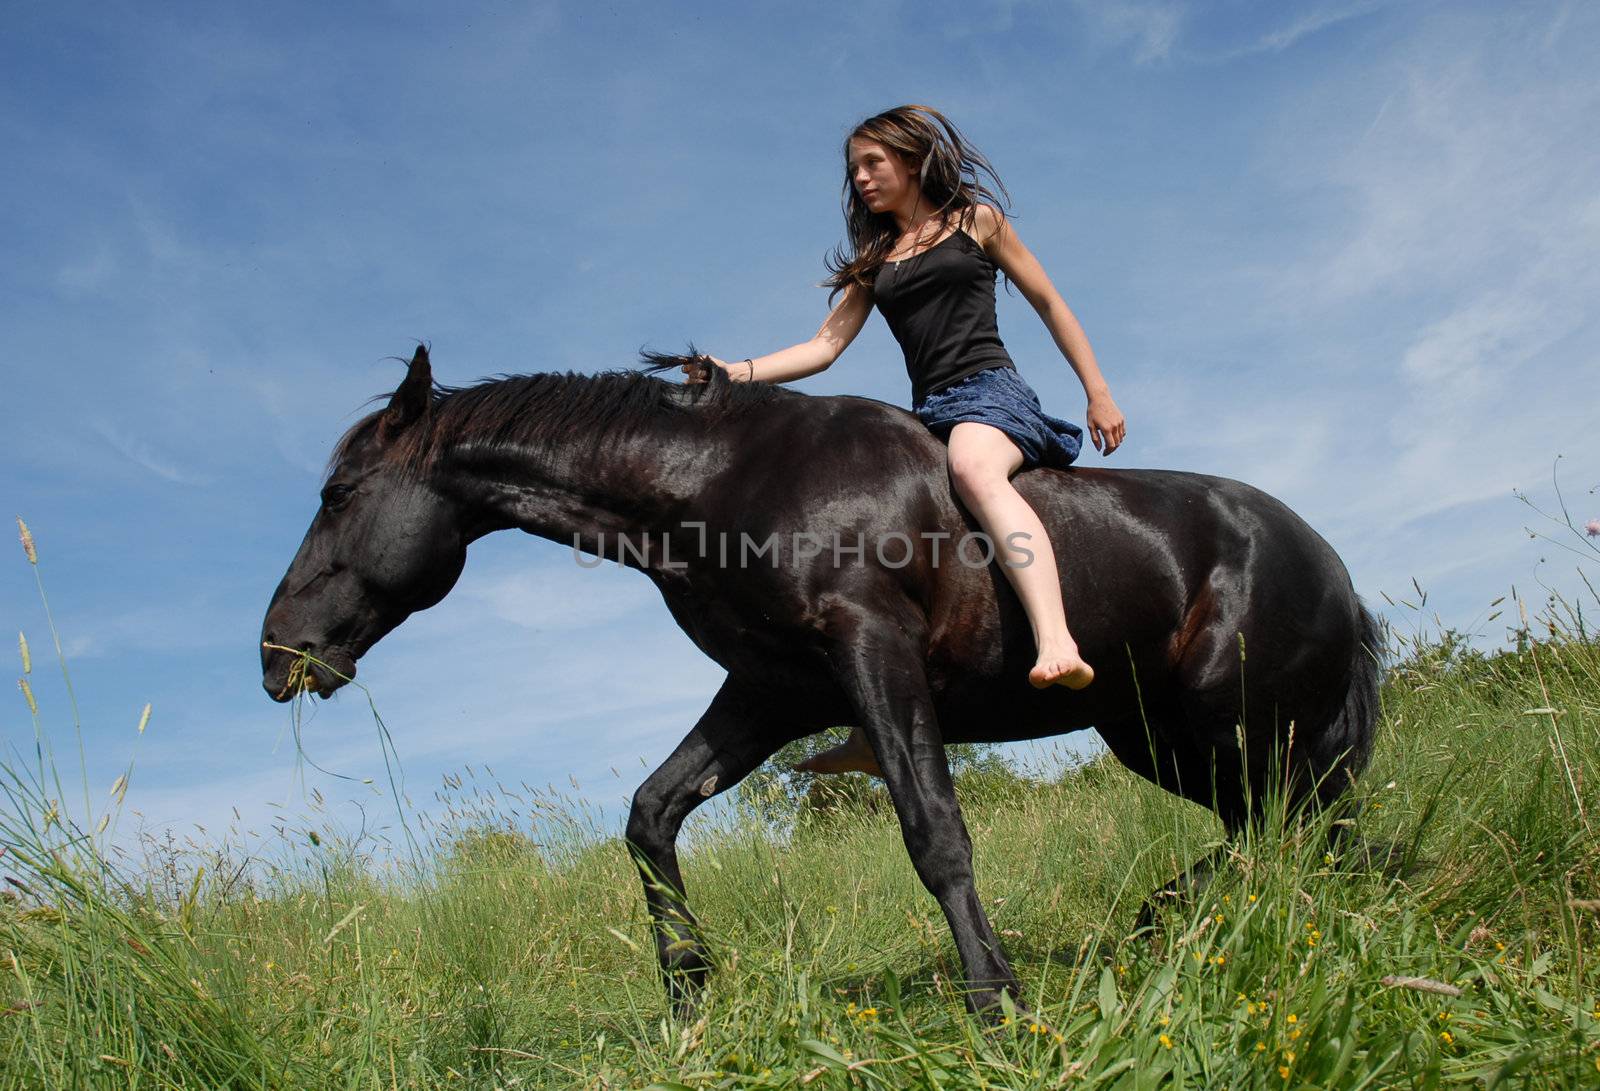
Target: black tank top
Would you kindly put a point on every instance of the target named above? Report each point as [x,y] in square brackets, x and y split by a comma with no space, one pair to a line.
[940,306]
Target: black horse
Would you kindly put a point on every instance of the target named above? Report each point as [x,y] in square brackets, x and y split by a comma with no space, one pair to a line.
[812,546]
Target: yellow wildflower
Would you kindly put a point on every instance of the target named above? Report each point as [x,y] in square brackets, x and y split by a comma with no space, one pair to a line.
[1293,1018]
[1164,1040]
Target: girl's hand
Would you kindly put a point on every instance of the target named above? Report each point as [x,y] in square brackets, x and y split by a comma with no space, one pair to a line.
[1107,429]
[698,370]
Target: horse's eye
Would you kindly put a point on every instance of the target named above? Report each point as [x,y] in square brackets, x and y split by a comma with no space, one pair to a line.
[335,496]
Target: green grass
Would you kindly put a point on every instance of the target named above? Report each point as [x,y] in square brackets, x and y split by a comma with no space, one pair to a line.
[495,961]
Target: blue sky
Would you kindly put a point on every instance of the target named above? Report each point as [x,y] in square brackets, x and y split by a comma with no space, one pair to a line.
[1344,251]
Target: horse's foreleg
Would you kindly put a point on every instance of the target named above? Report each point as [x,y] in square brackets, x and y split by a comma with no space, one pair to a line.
[882,672]
[733,736]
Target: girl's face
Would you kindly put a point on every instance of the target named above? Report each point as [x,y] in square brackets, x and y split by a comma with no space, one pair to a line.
[883,180]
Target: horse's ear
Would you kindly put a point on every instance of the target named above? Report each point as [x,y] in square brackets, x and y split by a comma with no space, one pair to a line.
[414,395]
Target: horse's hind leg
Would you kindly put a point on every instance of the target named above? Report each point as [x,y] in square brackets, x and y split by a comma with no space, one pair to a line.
[1163,753]
[736,733]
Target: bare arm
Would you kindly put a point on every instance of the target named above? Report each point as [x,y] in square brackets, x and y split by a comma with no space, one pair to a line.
[808,357]
[1106,424]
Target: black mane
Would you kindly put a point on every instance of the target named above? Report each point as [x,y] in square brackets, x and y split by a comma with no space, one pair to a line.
[550,409]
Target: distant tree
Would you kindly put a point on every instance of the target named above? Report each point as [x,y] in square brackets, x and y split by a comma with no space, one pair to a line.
[781,794]
[488,848]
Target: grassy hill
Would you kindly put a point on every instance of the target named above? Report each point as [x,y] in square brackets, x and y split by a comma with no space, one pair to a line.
[1457,943]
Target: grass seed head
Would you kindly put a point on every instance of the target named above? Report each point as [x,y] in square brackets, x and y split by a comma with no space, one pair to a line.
[27,541]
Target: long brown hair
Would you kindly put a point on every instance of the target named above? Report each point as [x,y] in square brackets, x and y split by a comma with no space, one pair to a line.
[951,172]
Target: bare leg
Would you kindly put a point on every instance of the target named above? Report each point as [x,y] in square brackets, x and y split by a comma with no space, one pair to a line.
[982,460]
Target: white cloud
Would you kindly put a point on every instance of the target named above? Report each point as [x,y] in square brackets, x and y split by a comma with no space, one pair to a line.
[146,455]
[1310,22]
[1151,27]
[90,272]
[1177,31]
[1463,277]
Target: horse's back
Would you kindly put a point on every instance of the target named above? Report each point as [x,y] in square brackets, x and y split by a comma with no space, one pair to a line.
[1163,572]
[1172,581]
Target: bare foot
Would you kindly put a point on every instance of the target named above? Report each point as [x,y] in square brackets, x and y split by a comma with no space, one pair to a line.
[1061,669]
[854,755]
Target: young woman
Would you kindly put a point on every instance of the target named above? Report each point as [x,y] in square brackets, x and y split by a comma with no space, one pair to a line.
[925,239]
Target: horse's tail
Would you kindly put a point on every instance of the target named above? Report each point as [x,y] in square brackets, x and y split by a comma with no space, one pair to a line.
[1343,748]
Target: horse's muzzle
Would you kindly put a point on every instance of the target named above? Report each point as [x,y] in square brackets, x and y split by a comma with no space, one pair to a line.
[285,673]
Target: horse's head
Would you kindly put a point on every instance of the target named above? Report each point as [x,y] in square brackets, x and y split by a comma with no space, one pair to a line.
[383,545]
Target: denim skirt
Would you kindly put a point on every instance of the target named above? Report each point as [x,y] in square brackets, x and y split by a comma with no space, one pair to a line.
[1000,397]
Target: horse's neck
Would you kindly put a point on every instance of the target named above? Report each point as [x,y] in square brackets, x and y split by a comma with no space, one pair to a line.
[576,492]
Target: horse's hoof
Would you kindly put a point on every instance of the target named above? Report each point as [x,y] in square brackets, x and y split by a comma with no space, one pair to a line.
[684,995]
[1149,919]
[685,973]
[686,1008]
[996,1007]
[1097,952]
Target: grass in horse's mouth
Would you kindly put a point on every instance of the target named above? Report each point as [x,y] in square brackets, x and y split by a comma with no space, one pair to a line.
[303,681]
